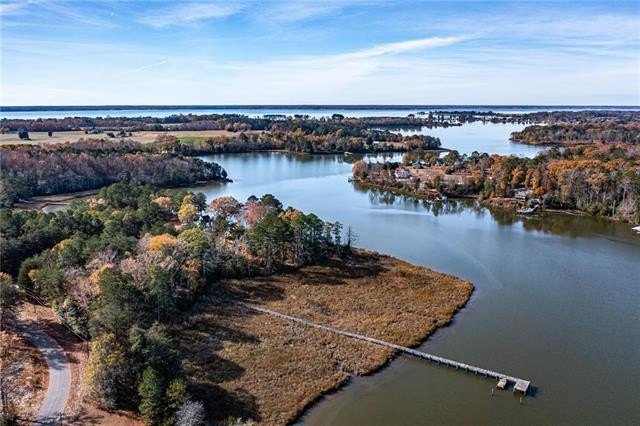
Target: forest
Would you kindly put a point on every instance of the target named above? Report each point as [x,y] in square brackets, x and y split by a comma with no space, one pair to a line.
[627,132]
[123,267]
[599,179]
[298,141]
[230,122]
[26,171]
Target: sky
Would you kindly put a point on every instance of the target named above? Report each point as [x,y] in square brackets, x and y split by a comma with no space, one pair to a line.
[63,52]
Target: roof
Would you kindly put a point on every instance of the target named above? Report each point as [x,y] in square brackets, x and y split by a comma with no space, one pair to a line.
[521,386]
[636,228]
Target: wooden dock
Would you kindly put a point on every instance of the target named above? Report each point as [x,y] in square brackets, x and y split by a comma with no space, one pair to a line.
[519,385]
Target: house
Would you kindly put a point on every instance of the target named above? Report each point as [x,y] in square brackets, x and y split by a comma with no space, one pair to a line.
[522,194]
[401,173]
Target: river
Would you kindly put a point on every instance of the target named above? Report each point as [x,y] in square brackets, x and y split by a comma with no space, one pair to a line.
[557,301]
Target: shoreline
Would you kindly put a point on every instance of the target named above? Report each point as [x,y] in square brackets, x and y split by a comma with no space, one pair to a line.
[500,203]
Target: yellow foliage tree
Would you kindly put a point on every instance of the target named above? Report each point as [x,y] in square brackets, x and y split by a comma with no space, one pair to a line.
[188,211]
[158,242]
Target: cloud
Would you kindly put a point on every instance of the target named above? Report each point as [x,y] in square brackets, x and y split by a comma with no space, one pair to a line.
[189,13]
[404,46]
[142,68]
[293,11]
[15,7]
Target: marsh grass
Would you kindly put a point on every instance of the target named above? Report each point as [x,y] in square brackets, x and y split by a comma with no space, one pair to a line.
[253,366]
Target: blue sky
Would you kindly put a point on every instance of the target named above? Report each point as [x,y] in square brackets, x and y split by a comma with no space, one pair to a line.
[319,52]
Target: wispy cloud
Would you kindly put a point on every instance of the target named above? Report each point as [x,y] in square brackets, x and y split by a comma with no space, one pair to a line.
[404,46]
[8,8]
[300,10]
[142,68]
[189,13]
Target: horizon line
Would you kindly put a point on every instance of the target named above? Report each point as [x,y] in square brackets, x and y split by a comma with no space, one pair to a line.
[19,108]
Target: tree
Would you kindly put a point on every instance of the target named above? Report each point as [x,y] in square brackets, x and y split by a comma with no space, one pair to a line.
[225,207]
[271,201]
[196,239]
[159,286]
[188,211]
[176,394]
[266,238]
[23,134]
[8,298]
[108,373]
[152,396]
[190,413]
[118,307]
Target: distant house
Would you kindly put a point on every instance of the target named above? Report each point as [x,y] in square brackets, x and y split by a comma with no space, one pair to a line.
[401,173]
[522,194]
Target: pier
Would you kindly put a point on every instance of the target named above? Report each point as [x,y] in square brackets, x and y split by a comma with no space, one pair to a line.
[519,385]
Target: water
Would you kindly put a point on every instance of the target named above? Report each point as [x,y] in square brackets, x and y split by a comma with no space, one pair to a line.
[557,301]
[478,136]
[259,112]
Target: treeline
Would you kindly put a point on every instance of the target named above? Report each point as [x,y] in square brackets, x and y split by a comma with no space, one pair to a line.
[230,122]
[627,132]
[123,267]
[26,171]
[297,141]
[552,117]
[600,179]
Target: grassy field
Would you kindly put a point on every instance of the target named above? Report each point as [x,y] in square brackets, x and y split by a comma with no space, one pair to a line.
[41,138]
[253,366]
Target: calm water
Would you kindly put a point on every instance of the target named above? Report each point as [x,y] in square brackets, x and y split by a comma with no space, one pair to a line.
[477,136]
[557,301]
[258,112]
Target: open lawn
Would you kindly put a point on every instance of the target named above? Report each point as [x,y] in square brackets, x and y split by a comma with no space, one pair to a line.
[40,138]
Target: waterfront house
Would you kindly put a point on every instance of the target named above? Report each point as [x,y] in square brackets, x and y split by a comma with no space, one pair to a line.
[521,194]
[401,174]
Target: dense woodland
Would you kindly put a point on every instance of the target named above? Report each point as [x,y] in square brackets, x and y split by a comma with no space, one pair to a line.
[230,122]
[627,132]
[28,170]
[600,179]
[123,267]
[298,141]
